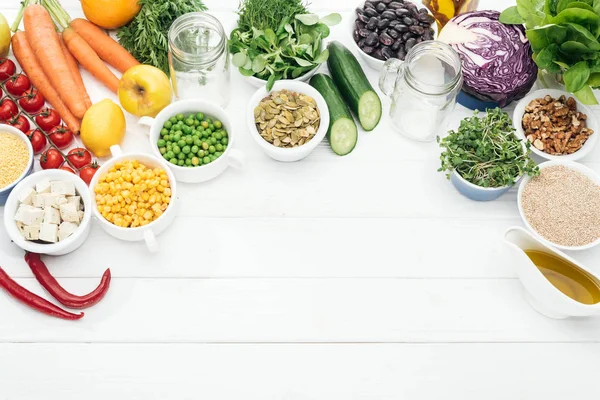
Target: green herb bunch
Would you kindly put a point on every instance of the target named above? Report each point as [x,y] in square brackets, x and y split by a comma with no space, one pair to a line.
[564,38]
[146,37]
[486,152]
[277,39]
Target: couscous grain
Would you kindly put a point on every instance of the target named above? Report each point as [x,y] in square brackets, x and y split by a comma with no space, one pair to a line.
[14,158]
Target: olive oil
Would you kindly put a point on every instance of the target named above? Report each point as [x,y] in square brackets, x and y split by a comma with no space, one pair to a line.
[445,10]
[567,277]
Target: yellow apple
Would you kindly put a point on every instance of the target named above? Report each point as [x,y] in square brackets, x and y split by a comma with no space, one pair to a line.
[144,90]
[4,37]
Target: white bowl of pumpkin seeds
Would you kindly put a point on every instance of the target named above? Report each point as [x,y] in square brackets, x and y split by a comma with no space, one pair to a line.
[288,122]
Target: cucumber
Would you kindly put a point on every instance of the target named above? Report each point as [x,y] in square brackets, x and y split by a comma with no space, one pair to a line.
[354,85]
[342,133]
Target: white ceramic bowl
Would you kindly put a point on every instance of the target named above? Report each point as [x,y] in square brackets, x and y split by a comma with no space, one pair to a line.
[257,82]
[296,153]
[5,191]
[148,232]
[202,173]
[373,62]
[573,165]
[54,249]
[592,123]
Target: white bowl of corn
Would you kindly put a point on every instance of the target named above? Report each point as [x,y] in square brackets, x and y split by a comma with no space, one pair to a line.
[134,196]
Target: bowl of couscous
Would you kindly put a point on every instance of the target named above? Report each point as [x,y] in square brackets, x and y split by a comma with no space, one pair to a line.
[134,196]
[16,159]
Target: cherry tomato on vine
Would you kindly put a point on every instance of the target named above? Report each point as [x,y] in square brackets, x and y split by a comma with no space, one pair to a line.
[79,157]
[7,69]
[87,173]
[8,109]
[68,169]
[51,159]
[19,122]
[47,119]
[38,140]
[61,136]
[17,84]
[32,101]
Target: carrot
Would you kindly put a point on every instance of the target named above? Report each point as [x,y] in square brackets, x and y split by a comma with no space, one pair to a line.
[106,47]
[43,39]
[26,58]
[74,67]
[88,58]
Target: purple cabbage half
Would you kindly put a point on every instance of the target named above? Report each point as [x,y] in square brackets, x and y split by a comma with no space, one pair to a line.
[497,61]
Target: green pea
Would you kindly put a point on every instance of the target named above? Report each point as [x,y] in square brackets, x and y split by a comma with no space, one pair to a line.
[204,124]
[173,120]
[205,134]
[213,140]
[177,136]
[212,149]
[195,149]
[210,131]
[160,143]
[195,161]
[176,149]
[213,157]
[189,122]
[206,160]
[201,153]
[197,142]
[170,154]
[219,147]
[181,143]
[186,149]
[164,131]
[218,124]
[224,141]
[186,130]
[181,156]
[188,161]
[209,120]
[204,146]
[196,122]
[218,154]
[173,161]
[167,138]
[211,127]
[169,146]
[189,140]
[162,150]
[218,135]
[180,117]
[168,124]
[200,116]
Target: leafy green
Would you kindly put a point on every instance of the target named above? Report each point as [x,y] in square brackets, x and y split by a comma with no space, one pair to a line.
[486,152]
[278,39]
[146,37]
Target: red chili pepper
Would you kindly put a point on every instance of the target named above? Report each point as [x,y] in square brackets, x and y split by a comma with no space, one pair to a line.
[58,292]
[33,300]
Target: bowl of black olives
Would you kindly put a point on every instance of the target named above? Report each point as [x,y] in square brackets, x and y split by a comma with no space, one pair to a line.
[383,29]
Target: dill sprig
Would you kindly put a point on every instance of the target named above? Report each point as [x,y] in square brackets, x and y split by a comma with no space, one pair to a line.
[268,14]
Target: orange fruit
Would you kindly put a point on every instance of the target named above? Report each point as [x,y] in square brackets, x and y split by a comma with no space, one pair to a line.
[110,14]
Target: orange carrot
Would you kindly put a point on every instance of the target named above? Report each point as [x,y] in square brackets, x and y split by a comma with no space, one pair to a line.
[106,47]
[88,58]
[26,58]
[74,67]
[43,39]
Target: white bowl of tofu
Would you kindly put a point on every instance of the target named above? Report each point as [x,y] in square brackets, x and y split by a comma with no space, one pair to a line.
[49,212]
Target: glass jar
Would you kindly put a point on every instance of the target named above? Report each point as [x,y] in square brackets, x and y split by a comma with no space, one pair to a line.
[423,89]
[199,58]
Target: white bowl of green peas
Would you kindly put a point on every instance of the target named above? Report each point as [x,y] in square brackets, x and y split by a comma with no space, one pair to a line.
[195,138]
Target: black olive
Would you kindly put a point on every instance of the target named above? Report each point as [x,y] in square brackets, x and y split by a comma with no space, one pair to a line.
[380,7]
[388,14]
[359,24]
[371,12]
[401,28]
[401,54]
[410,43]
[383,23]
[393,33]
[386,52]
[408,21]
[364,32]
[419,30]
[372,40]
[406,36]
[372,24]
[377,54]
[368,49]
[363,18]
[402,12]
[386,39]
[424,17]
[355,35]
[395,5]
[397,44]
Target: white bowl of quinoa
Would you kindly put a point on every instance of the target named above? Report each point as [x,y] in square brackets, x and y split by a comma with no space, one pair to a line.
[16,159]
[561,206]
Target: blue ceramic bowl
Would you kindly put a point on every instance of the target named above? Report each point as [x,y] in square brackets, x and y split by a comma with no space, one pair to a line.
[473,103]
[5,191]
[475,192]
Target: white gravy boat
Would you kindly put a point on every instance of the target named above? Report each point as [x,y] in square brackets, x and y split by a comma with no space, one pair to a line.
[540,293]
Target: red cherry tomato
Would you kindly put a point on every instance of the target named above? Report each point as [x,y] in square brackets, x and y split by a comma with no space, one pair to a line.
[32,101]
[61,136]
[8,109]
[47,119]
[7,69]
[51,159]
[79,157]
[68,169]
[17,84]
[19,122]
[87,173]
[38,140]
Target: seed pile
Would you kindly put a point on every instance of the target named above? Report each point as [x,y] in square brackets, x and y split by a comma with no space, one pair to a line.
[563,206]
[287,119]
[14,158]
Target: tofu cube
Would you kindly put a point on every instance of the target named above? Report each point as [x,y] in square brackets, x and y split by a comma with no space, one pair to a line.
[26,195]
[29,215]
[38,200]
[66,229]
[69,213]
[21,228]
[51,200]
[48,233]
[32,232]
[43,186]
[75,200]
[62,187]
[51,216]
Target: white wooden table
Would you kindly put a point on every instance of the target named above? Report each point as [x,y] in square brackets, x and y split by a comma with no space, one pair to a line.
[358,277]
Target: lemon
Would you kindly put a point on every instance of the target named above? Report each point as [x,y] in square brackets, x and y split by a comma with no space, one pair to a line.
[103,126]
[4,37]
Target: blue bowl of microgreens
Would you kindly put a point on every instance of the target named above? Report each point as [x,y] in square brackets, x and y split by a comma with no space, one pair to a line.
[484,158]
